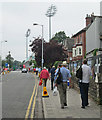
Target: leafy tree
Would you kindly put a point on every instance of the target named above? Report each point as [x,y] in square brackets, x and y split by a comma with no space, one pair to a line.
[33,61]
[16,64]
[52,52]
[59,37]
[9,60]
[3,63]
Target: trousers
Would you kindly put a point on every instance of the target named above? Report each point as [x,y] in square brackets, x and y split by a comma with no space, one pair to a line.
[44,81]
[52,81]
[84,93]
[62,87]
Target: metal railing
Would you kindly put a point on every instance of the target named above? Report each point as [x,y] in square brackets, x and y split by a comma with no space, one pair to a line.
[94,62]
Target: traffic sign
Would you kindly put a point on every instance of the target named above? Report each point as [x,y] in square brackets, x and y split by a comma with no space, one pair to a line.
[6,64]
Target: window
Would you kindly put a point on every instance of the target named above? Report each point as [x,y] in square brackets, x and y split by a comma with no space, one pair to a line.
[79,51]
[75,52]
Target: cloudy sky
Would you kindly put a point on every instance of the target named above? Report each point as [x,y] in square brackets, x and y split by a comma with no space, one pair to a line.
[17,17]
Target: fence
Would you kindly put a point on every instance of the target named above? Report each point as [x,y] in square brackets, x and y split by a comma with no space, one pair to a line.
[94,62]
[95,89]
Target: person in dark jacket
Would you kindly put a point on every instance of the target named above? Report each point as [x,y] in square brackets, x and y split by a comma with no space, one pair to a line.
[52,71]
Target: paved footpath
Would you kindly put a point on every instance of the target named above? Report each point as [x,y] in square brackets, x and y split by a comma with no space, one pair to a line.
[52,108]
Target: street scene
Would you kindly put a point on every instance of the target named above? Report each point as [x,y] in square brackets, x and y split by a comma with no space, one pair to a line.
[51,60]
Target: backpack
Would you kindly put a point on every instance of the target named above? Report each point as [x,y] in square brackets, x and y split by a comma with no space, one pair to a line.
[79,73]
[59,77]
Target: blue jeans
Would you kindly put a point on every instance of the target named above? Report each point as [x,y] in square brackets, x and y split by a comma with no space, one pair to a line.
[84,93]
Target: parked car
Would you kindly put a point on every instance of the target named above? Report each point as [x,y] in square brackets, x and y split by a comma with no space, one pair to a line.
[24,70]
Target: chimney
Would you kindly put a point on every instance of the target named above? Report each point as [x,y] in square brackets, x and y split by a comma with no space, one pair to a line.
[88,19]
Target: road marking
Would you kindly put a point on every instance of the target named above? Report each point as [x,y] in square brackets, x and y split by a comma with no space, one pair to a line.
[30,102]
[33,107]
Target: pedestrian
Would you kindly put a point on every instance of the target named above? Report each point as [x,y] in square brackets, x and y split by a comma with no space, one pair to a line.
[52,71]
[44,76]
[62,86]
[84,83]
[37,70]
[34,70]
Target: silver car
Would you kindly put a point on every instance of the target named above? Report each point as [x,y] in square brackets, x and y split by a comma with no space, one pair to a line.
[24,70]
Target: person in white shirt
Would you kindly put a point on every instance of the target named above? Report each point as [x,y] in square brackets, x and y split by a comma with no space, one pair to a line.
[84,83]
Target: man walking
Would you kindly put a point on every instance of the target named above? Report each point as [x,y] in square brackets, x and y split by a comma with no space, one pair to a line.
[84,83]
[62,86]
[52,71]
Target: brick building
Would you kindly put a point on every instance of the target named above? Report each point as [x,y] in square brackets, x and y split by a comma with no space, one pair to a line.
[79,48]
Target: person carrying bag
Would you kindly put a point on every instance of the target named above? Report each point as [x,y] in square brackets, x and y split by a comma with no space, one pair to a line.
[62,75]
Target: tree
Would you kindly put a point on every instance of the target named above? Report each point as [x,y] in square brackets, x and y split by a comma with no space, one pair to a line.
[52,52]
[3,63]
[16,64]
[9,60]
[59,37]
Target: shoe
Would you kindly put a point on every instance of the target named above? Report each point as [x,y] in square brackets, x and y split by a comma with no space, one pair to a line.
[87,105]
[65,104]
[62,107]
[83,107]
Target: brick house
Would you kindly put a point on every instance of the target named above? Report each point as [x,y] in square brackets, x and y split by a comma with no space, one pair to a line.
[79,48]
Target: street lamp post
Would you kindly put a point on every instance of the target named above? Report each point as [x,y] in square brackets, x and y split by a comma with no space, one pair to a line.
[27,35]
[50,12]
[42,61]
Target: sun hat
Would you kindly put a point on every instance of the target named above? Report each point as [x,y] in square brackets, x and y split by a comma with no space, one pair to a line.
[44,67]
[64,63]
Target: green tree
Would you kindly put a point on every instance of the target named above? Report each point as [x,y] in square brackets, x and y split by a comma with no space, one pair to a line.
[59,37]
[9,60]
[33,62]
[3,63]
[16,64]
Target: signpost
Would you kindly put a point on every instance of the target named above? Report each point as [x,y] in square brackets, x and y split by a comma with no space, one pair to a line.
[6,64]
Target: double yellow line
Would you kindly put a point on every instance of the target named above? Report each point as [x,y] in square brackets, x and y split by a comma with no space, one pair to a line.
[32,102]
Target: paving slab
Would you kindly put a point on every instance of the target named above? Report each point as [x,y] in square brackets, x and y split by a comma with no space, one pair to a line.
[52,107]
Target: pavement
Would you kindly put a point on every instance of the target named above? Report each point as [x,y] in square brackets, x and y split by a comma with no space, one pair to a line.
[52,107]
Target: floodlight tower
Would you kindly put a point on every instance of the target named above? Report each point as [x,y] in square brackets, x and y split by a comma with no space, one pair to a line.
[50,12]
[27,35]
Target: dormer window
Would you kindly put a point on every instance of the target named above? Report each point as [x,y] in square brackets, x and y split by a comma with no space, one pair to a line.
[75,52]
[79,51]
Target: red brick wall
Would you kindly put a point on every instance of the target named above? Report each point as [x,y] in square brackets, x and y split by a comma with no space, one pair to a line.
[84,44]
[83,34]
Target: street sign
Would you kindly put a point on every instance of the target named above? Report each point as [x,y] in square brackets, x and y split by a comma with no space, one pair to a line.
[6,64]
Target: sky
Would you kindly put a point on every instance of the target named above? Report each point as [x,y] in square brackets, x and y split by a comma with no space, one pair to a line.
[17,17]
